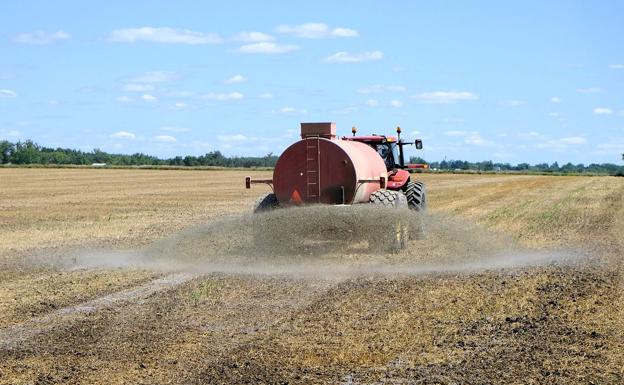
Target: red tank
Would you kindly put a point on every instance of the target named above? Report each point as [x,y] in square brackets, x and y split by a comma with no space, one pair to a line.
[321,168]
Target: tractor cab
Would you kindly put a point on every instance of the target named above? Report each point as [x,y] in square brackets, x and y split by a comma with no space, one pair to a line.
[390,149]
[390,152]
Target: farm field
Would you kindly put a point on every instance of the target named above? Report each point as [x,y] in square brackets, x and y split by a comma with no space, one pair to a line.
[519,280]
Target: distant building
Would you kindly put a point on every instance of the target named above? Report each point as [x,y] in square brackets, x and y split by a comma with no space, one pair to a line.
[98,164]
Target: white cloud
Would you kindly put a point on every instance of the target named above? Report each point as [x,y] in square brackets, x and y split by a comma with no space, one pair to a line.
[590,90]
[149,98]
[344,32]
[131,87]
[316,31]
[348,57]
[617,66]
[175,129]
[372,103]
[165,138]
[307,30]
[345,110]
[253,37]
[396,103]
[557,116]
[123,135]
[267,48]
[602,111]
[223,97]
[470,137]
[445,97]
[292,111]
[155,77]
[41,37]
[233,138]
[573,140]
[377,88]
[163,35]
[7,94]
[180,105]
[475,139]
[561,143]
[236,79]
[555,99]
[266,95]
[125,99]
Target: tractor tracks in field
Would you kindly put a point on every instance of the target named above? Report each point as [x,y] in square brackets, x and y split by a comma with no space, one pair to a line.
[15,335]
[170,329]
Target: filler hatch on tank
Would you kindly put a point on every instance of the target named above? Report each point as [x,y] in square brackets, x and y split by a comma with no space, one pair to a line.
[325,130]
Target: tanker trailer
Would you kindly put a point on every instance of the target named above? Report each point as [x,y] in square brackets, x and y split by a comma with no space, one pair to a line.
[322,169]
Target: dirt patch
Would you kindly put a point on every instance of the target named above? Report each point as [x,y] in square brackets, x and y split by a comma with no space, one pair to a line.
[16,335]
[486,299]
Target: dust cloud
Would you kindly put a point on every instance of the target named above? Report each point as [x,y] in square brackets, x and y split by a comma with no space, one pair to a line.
[326,241]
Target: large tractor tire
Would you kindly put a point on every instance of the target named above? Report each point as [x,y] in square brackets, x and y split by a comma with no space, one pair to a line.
[417,201]
[266,202]
[416,195]
[395,237]
[388,198]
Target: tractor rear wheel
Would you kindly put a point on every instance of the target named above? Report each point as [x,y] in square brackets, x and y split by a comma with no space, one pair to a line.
[266,202]
[416,195]
[417,199]
[395,238]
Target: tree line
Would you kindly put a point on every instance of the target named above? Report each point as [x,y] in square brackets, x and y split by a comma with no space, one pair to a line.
[29,152]
[488,165]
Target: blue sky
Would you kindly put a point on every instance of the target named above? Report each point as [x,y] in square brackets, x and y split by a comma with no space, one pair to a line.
[516,81]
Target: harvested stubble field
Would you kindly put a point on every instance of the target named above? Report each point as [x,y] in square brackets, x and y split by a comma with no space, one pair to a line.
[519,280]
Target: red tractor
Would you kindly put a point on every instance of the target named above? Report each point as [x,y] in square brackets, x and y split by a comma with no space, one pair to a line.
[324,169]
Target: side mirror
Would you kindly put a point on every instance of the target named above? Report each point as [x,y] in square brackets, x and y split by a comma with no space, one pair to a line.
[418,144]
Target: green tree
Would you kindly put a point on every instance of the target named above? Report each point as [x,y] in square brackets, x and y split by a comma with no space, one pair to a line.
[6,148]
[486,165]
[26,153]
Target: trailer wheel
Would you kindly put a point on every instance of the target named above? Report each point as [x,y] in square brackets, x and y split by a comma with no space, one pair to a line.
[388,198]
[266,202]
[416,195]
